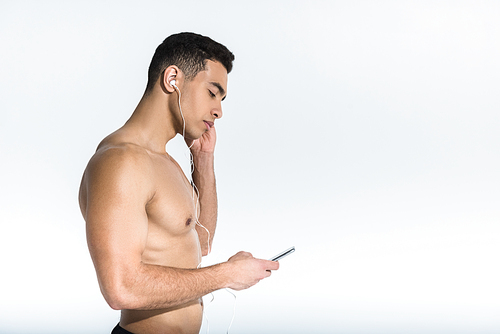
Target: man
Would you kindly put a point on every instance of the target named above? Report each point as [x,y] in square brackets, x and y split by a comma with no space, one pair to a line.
[147,225]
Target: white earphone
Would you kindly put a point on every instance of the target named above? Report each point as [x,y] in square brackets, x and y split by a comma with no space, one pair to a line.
[172,83]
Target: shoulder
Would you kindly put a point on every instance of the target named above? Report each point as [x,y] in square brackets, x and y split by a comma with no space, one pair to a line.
[121,156]
[122,168]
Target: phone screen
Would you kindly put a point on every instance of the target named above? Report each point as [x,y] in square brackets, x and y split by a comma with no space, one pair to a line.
[283,254]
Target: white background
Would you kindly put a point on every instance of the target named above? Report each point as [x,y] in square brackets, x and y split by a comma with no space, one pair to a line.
[365,133]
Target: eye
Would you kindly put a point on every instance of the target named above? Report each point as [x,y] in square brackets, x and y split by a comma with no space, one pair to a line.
[211,94]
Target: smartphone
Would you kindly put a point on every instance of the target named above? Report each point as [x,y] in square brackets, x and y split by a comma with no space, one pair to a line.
[283,254]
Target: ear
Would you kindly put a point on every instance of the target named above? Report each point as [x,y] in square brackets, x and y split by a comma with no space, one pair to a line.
[171,73]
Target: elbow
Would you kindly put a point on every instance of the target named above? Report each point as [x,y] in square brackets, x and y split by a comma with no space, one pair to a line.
[117,299]
[118,296]
[115,302]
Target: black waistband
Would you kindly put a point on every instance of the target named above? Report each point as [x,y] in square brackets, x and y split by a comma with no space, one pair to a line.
[119,330]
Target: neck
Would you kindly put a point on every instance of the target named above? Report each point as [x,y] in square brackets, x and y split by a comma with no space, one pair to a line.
[154,122]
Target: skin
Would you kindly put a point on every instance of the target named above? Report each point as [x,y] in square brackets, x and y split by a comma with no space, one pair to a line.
[140,210]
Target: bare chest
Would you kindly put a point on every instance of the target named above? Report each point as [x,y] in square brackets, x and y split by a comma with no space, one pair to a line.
[172,213]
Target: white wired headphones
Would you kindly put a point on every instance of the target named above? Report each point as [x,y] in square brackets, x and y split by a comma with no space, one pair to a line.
[172,83]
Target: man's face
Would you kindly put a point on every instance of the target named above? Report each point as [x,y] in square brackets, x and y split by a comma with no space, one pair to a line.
[202,97]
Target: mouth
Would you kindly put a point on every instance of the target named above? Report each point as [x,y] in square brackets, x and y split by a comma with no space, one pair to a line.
[209,124]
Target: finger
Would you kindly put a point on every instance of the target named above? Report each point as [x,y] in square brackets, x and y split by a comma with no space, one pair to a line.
[241,254]
[246,254]
[272,265]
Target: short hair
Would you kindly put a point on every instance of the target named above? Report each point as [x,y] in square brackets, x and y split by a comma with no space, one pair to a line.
[189,52]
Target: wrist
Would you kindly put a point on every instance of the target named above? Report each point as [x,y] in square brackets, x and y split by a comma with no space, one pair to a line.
[223,274]
[203,162]
[202,156]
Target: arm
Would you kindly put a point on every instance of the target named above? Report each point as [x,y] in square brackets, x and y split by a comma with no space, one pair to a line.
[204,179]
[115,192]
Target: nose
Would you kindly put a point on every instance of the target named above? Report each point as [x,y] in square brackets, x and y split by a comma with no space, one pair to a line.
[217,112]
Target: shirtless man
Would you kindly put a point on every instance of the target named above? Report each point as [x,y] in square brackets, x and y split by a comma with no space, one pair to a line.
[143,216]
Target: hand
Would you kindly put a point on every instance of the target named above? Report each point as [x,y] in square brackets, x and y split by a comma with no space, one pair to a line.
[247,271]
[205,144]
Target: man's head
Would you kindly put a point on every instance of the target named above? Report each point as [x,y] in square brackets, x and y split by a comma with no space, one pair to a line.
[189,52]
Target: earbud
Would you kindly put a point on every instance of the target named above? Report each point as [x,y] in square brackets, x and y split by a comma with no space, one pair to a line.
[172,83]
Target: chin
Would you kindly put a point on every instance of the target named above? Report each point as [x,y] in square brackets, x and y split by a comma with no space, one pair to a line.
[192,137]
[201,134]
[195,135]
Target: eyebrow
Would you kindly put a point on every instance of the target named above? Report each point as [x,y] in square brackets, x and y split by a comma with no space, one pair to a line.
[221,90]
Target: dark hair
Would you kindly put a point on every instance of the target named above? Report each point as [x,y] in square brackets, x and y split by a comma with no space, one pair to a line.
[189,52]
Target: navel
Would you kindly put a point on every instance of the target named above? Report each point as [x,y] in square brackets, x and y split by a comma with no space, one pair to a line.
[188,221]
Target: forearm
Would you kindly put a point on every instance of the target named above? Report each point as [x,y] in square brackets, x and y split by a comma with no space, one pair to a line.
[146,287]
[156,287]
[204,179]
